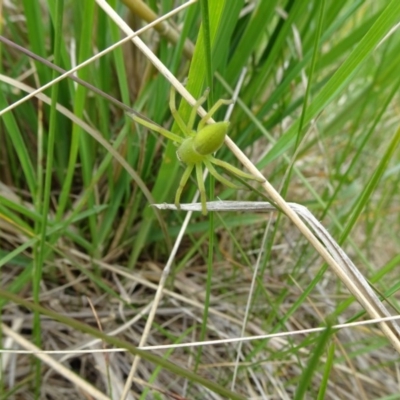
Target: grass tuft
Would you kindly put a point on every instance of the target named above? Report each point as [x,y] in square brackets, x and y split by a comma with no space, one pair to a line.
[139,302]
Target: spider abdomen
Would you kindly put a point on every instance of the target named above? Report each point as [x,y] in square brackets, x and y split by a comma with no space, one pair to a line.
[210,138]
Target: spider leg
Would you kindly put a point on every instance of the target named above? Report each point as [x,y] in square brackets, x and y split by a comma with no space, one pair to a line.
[234,170]
[218,176]
[193,113]
[156,128]
[202,189]
[182,184]
[212,111]
[175,113]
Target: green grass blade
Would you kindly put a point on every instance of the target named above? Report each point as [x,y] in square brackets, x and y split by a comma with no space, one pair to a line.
[327,370]
[43,203]
[366,194]
[312,364]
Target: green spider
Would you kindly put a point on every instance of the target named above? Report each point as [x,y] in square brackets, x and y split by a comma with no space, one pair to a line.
[198,146]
